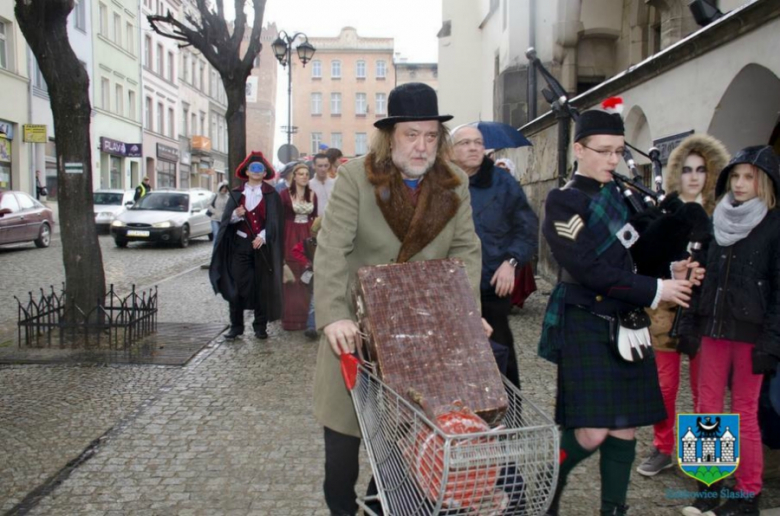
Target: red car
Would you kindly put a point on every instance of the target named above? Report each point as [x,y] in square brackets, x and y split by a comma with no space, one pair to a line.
[23,219]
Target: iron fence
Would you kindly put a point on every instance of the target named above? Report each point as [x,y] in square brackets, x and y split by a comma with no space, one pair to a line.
[115,322]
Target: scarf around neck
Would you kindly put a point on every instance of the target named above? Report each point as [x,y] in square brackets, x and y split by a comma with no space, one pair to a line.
[733,223]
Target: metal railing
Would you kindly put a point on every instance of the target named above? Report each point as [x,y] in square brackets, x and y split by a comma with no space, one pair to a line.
[114,322]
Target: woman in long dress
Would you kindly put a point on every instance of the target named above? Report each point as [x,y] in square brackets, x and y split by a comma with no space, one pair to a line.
[300,210]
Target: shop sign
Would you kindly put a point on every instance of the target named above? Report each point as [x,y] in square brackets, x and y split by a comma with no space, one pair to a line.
[167,153]
[7,129]
[35,133]
[117,148]
[668,143]
[134,150]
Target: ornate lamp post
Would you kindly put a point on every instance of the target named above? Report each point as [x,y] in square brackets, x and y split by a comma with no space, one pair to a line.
[282,48]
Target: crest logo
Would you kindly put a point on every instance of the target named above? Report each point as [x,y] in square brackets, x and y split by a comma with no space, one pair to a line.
[708,445]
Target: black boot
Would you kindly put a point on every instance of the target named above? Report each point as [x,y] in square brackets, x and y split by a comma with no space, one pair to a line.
[610,509]
[707,498]
[236,323]
[556,501]
[259,325]
[747,506]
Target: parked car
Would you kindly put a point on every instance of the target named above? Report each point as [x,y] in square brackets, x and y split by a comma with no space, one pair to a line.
[166,216]
[24,219]
[108,204]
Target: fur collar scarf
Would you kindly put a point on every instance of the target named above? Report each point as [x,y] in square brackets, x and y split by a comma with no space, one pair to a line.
[415,226]
[716,157]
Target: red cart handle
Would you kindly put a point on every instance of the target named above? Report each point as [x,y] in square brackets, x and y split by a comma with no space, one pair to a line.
[349,369]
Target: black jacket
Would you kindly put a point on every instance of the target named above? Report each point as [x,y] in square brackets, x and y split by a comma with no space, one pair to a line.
[740,297]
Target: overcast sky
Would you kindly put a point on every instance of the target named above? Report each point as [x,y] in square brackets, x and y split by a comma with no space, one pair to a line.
[412,23]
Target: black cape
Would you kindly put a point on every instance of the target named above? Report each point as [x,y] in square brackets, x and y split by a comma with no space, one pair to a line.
[268,260]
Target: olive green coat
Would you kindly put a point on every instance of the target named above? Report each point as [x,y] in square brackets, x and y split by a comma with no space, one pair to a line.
[354,234]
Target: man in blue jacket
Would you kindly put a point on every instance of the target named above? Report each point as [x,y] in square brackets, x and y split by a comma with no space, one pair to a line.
[507,228]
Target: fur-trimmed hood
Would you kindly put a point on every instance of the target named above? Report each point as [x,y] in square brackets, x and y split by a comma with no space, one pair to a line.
[716,157]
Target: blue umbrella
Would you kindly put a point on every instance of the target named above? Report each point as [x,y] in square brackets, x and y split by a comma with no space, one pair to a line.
[498,135]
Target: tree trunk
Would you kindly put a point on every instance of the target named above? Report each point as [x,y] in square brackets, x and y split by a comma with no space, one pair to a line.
[236,125]
[44,25]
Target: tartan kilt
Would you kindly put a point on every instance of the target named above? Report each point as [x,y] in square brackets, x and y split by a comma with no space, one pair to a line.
[596,388]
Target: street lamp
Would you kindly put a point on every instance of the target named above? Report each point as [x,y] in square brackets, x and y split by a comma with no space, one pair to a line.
[282,48]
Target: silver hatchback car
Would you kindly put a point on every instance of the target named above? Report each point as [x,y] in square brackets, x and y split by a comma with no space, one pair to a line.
[165,216]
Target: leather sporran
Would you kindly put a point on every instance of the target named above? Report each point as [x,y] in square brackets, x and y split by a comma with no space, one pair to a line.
[629,335]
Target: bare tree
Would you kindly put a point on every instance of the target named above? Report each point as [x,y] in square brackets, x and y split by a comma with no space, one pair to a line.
[211,34]
[44,25]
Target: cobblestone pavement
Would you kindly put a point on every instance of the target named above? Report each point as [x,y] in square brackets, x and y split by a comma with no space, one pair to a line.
[139,263]
[231,433]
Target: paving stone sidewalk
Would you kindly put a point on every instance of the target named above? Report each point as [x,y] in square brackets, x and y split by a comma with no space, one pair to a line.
[231,433]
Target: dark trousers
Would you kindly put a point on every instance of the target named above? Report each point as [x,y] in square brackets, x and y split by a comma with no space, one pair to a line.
[244,267]
[341,473]
[495,310]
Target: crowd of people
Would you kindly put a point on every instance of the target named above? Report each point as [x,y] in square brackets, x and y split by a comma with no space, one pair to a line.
[291,252]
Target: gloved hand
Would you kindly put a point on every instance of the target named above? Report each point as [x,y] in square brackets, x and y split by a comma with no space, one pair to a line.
[688,344]
[763,362]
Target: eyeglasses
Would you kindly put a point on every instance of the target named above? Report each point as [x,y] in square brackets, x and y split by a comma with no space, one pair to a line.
[606,153]
[468,143]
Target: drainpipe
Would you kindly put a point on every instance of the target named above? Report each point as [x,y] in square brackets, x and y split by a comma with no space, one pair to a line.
[532,86]
[32,149]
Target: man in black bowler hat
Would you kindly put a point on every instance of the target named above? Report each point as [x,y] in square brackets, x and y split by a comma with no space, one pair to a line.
[246,267]
[401,202]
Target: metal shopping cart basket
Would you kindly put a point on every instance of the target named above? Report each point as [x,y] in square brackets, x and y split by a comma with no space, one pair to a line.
[421,470]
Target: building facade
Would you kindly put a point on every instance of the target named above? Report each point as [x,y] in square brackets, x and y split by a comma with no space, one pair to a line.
[261,95]
[674,76]
[339,95]
[426,73]
[116,93]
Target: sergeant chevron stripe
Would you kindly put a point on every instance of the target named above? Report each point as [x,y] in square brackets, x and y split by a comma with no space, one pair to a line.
[569,229]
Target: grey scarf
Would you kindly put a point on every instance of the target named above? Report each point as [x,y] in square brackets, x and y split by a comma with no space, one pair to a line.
[733,223]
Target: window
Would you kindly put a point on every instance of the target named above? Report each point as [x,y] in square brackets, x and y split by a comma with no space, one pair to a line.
[201,77]
[4,45]
[148,113]
[316,140]
[131,105]
[361,144]
[171,66]
[80,15]
[213,133]
[117,29]
[160,117]
[148,52]
[171,120]
[316,103]
[221,134]
[194,125]
[130,41]
[202,123]
[166,174]
[159,68]
[105,95]
[360,104]
[194,70]
[381,69]
[38,79]
[360,69]
[214,81]
[381,104]
[335,103]
[316,69]
[335,69]
[185,117]
[185,66]
[335,140]
[119,99]
[103,16]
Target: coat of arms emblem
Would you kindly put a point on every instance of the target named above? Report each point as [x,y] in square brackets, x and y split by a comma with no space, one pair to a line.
[708,445]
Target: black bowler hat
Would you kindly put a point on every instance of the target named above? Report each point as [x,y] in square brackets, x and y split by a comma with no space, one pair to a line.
[609,121]
[410,102]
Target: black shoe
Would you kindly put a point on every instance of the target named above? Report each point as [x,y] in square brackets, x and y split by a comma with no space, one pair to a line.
[234,333]
[737,506]
[311,334]
[261,333]
[707,499]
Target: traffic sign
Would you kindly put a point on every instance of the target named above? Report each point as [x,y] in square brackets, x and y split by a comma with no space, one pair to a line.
[287,153]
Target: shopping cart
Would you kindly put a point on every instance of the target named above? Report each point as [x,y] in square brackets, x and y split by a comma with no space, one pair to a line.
[420,469]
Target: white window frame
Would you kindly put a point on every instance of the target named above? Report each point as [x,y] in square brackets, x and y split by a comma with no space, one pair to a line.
[185,120]
[316,140]
[381,104]
[185,67]
[160,61]
[131,104]
[118,29]
[335,103]
[360,69]
[160,118]
[80,15]
[5,45]
[148,114]
[336,140]
[103,19]
[148,56]
[171,67]
[316,69]
[119,100]
[316,103]
[171,122]
[381,69]
[361,104]
[361,144]
[105,94]
[335,69]
[130,39]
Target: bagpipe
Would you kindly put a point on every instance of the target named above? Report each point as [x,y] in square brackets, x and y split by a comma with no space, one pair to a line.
[666,225]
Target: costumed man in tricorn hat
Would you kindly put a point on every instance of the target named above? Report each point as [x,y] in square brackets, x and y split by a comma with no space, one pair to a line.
[401,202]
[607,384]
[246,267]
